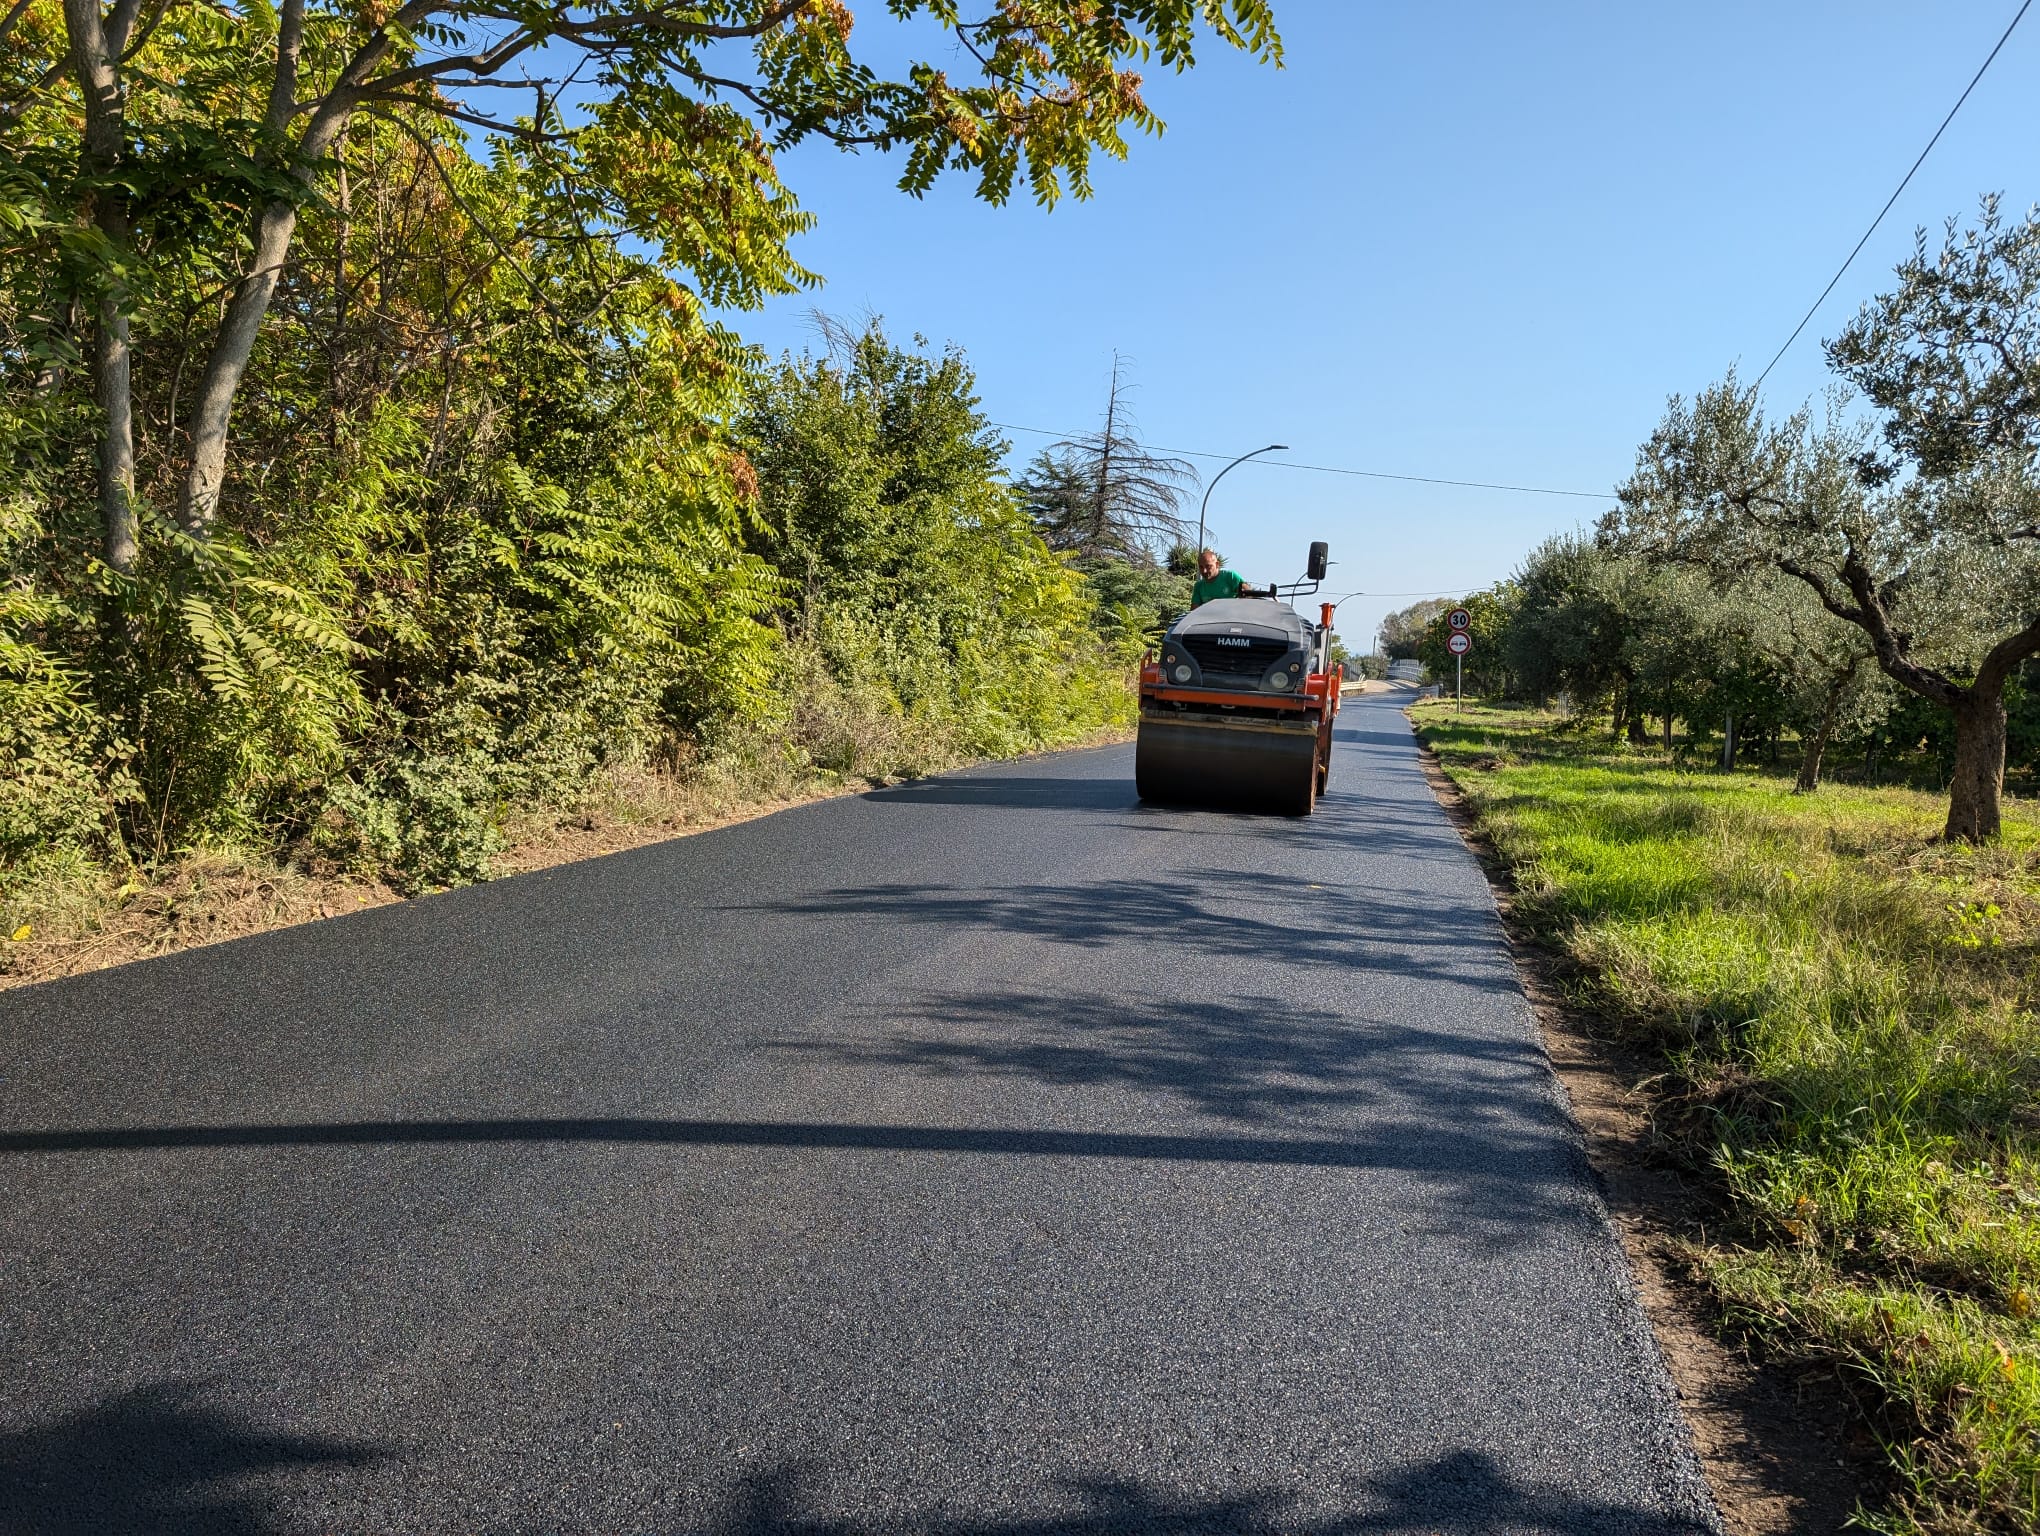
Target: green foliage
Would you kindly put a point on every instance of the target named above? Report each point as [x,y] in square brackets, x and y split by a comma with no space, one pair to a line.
[421,823]
[1629,637]
[1486,665]
[923,587]
[1134,601]
[1926,546]
[522,547]
[1403,632]
[484,525]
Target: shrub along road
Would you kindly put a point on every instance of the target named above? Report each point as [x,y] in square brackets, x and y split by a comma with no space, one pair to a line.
[990,1155]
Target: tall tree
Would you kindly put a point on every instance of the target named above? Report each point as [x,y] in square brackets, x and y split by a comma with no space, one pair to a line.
[1105,496]
[191,136]
[1929,543]
[1823,669]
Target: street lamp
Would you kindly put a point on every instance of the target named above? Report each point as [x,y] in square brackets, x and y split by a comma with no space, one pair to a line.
[1236,463]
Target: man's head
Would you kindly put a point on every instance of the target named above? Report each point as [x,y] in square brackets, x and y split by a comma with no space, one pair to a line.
[1207,563]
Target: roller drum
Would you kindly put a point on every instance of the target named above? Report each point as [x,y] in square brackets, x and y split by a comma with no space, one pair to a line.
[1269,766]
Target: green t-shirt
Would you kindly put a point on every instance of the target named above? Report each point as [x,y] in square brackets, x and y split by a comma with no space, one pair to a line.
[1224,584]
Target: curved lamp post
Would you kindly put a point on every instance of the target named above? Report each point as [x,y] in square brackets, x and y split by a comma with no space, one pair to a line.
[1212,485]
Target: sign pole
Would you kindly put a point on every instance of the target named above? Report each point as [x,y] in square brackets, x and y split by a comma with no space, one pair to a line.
[1459,642]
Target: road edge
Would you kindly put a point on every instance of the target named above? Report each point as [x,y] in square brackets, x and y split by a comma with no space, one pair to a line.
[1773,1449]
[220,899]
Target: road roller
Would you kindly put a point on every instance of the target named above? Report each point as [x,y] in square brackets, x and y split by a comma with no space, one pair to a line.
[1237,703]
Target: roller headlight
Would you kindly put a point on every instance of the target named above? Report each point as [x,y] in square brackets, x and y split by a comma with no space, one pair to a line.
[1280,681]
[1183,674]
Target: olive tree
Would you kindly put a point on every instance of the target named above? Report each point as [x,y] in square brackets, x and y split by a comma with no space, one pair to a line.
[1919,525]
[1824,670]
[1578,617]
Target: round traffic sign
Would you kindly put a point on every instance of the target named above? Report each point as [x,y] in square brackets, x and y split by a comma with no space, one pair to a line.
[1459,642]
[1459,618]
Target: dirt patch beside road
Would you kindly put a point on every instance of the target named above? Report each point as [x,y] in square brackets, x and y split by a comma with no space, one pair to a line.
[96,919]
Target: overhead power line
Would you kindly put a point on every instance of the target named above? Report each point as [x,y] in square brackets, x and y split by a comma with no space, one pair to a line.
[1333,469]
[1447,592]
[1803,319]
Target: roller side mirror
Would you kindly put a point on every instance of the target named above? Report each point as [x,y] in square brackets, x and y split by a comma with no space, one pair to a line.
[1320,560]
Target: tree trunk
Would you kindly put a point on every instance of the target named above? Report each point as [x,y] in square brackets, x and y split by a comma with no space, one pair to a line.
[1638,736]
[228,365]
[95,49]
[275,222]
[1979,767]
[1728,742]
[1816,747]
[113,392]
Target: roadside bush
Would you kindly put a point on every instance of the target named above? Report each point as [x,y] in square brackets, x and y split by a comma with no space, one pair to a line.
[421,825]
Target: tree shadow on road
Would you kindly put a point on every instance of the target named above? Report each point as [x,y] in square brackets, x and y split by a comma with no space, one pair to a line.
[1285,920]
[1362,810]
[1461,1493]
[1471,1119]
[150,1460]
[1347,818]
[1254,1061]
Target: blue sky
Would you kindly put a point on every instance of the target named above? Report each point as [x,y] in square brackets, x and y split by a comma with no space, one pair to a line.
[1476,242]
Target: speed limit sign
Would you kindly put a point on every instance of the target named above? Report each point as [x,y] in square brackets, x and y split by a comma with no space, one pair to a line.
[1459,618]
[1459,642]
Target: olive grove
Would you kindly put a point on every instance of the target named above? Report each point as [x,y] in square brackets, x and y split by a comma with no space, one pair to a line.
[1910,509]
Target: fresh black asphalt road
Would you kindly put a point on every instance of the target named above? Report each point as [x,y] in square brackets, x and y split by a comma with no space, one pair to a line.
[991,1156]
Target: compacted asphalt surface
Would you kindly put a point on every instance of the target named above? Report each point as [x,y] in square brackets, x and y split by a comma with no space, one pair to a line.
[990,1156]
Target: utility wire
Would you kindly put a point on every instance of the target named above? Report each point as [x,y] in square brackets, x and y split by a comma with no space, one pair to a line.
[1894,196]
[1448,592]
[1332,469]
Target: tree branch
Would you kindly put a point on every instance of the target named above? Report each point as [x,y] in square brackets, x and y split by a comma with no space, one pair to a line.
[148,31]
[659,19]
[441,108]
[120,21]
[474,63]
[1889,644]
[2005,655]
[1823,591]
[290,36]
[16,105]
[14,14]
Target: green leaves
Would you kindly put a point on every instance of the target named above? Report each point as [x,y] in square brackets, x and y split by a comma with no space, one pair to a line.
[917,577]
[500,501]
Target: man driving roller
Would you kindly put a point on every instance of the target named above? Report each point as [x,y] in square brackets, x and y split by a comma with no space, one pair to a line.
[1213,581]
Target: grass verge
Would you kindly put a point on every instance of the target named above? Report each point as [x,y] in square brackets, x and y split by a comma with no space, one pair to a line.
[1844,1010]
